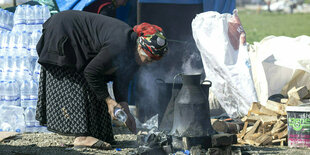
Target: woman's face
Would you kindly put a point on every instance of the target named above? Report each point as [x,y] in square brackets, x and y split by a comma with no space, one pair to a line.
[144,59]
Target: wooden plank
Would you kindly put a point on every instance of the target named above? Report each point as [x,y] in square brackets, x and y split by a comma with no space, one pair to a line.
[185,143]
[255,108]
[252,118]
[243,132]
[265,118]
[241,141]
[284,100]
[249,141]
[213,120]
[269,120]
[252,131]
[292,101]
[248,129]
[263,140]
[265,111]
[283,119]
[282,134]
[223,139]
[267,140]
[220,126]
[278,127]
[245,126]
[265,129]
[279,108]
[281,129]
[298,93]
[278,140]
[254,136]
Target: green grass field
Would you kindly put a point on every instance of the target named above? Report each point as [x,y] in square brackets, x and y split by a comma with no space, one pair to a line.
[258,26]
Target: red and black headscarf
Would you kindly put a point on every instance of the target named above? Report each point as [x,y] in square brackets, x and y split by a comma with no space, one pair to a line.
[152,40]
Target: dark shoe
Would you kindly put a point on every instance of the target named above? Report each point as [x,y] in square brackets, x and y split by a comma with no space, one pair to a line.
[98,145]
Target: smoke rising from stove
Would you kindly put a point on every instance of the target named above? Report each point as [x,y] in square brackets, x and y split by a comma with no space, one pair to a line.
[147,94]
[189,66]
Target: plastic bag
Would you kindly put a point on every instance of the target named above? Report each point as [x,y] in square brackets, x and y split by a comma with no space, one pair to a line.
[276,61]
[220,39]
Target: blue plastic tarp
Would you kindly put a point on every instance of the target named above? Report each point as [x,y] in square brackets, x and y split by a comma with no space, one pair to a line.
[72,4]
[221,6]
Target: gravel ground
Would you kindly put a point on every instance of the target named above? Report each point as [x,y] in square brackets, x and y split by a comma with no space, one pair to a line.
[51,143]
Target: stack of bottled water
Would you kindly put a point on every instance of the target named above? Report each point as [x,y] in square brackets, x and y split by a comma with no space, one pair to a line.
[19,70]
[6,20]
[30,18]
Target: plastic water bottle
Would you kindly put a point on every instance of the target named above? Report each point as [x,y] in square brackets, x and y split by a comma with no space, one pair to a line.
[35,37]
[30,119]
[9,62]
[12,119]
[120,115]
[26,64]
[17,114]
[20,18]
[2,85]
[2,55]
[20,121]
[8,20]
[2,65]
[10,67]
[4,41]
[25,93]
[12,52]
[33,93]
[5,126]
[19,15]
[45,13]
[5,20]
[25,70]
[1,20]
[16,52]
[30,21]
[2,36]
[36,72]
[11,21]
[38,20]
[23,43]
[11,93]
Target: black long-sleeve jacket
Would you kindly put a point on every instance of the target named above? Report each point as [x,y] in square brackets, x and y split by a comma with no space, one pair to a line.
[100,46]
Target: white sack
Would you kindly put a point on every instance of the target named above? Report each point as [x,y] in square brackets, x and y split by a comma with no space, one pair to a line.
[225,61]
[274,61]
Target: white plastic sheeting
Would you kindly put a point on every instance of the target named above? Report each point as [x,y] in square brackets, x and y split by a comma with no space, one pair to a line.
[225,61]
[275,61]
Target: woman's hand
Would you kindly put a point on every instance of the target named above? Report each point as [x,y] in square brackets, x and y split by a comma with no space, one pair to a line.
[111,105]
[131,122]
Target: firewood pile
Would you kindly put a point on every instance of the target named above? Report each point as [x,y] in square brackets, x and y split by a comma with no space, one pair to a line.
[267,125]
